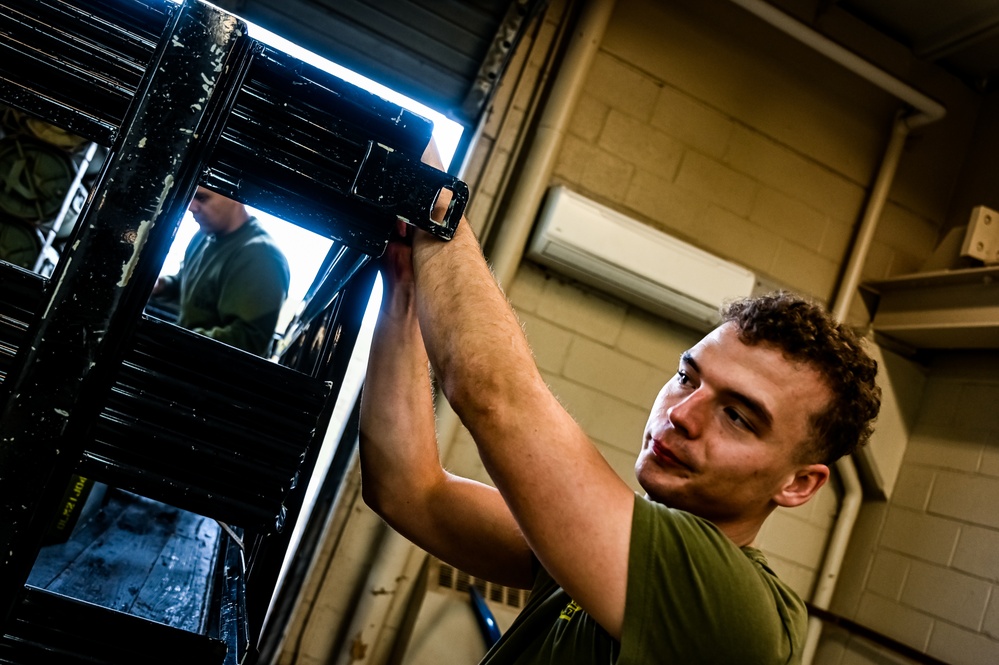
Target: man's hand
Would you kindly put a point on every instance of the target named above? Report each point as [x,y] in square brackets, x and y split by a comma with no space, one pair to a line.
[432,157]
[397,272]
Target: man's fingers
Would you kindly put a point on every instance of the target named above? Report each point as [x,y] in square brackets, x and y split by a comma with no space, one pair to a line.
[432,157]
[403,234]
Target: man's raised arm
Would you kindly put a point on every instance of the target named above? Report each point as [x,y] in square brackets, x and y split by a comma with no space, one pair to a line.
[460,521]
[571,506]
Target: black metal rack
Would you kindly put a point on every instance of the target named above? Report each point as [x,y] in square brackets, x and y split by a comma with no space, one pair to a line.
[182,96]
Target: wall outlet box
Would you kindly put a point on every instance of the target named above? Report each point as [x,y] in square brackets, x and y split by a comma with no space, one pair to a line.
[981,240]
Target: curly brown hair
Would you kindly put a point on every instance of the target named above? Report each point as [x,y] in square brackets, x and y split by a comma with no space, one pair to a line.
[807,333]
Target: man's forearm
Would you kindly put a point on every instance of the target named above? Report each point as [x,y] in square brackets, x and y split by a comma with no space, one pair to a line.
[483,362]
[460,521]
[469,328]
[398,439]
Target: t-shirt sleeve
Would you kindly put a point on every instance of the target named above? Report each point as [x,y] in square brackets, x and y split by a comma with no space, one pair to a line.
[695,597]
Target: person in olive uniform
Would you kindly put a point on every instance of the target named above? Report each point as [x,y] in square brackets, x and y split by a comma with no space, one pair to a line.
[234,279]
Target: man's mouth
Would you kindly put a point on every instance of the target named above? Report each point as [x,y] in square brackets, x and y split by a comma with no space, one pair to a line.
[665,455]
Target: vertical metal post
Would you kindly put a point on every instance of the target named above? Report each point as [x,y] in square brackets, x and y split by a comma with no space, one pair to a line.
[61,378]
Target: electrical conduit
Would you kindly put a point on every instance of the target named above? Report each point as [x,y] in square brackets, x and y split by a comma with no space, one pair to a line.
[530,186]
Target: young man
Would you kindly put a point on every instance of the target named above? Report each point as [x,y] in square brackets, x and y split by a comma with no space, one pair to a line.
[754,415]
[234,279]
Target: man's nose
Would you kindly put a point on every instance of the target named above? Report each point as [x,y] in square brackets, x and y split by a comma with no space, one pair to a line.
[689,414]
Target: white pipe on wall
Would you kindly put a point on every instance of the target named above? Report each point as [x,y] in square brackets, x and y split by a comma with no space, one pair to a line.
[530,186]
[872,214]
[926,111]
[528,189]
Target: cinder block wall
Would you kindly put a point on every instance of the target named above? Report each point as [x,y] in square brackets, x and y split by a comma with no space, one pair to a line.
[712,127]
[720,131]
[926,565]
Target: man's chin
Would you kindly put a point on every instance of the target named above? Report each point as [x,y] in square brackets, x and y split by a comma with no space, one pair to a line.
[656,490]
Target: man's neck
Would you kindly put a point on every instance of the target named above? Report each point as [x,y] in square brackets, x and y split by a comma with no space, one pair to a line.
[742,532]
[232,228]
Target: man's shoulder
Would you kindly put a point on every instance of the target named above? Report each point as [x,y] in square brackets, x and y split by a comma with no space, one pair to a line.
[683,565]
[696,536]
[256,234]
[653,516]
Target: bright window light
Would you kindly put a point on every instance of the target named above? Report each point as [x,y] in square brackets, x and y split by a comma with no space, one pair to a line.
[349,391]
[446,133]
[305,250]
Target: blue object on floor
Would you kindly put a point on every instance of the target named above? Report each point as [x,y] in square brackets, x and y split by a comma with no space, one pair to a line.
[484,616]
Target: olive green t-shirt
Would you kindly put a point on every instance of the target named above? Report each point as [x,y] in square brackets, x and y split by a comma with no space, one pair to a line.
[231,288]
[693,597]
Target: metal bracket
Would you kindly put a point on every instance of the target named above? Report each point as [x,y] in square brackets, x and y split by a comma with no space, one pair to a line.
[410,189]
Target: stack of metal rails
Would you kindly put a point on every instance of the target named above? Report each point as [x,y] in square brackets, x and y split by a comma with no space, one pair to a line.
[180,95]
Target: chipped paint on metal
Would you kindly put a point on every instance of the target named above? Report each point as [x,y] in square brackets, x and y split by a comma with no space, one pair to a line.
[142,234]
[69,262]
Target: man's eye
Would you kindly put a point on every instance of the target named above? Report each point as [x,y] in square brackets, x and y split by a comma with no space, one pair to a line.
[736,417]
[682,377]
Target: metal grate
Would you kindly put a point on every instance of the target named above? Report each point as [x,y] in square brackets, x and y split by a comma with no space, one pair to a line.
[450,578]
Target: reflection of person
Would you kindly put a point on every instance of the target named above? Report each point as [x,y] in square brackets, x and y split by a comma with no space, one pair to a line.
[233,280]
[756,412]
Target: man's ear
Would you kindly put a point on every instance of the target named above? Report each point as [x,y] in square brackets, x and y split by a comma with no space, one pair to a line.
[802,486]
